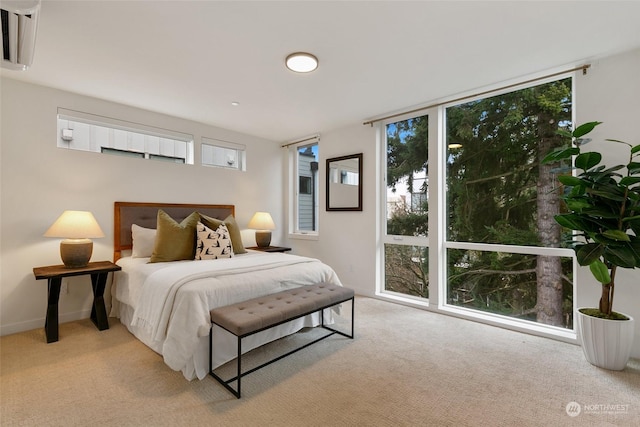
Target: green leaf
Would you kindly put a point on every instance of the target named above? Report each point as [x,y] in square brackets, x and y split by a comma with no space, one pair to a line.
[623,256]
[612,169]
[601,238]
[584,129]
[635,247]
[577,191]
[588,160]
[586,254]
[631,218]
[607,194]
[600,272]
[628,180]
[618,235]
[577,205]
[570,180]
[599,211]
[561,153]
[635,149]
[569,221]
[633,167]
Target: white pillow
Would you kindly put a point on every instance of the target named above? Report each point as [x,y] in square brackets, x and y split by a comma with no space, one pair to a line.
[213,244]
[143,241]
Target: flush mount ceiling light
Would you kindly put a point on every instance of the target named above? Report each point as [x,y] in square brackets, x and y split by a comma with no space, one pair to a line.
[301,62]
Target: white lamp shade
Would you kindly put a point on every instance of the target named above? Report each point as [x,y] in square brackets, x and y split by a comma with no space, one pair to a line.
[75,225]
[262,221]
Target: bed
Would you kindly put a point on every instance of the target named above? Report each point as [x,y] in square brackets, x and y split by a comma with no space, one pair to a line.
[165,300]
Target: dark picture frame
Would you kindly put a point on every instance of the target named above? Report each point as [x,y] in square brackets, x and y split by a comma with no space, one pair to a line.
[344,183]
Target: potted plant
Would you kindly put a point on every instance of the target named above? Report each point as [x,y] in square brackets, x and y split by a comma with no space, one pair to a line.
[603,210]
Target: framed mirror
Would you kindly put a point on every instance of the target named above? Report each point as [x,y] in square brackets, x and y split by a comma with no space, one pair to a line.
[344,183]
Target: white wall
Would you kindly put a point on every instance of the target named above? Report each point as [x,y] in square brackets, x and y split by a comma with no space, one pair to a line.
[609,93]
[347,240]
[39,181]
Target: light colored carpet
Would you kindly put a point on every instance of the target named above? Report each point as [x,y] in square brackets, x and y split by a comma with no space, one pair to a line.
[406,367]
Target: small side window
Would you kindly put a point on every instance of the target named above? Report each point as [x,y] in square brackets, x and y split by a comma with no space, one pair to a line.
[223,154]
[304,188]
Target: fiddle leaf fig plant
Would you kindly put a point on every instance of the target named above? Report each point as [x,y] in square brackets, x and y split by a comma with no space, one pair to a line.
[603,210]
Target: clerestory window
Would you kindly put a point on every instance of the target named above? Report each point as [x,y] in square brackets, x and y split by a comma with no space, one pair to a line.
[89,132]
[223,154]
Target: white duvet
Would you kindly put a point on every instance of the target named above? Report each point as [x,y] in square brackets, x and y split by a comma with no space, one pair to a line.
[166,305]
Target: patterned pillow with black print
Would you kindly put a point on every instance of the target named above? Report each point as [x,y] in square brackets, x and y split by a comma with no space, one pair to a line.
[213,244]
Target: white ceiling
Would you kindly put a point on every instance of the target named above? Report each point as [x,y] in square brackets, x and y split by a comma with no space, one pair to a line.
[193,59]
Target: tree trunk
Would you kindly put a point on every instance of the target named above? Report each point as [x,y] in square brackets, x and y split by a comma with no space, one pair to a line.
[548,269]
[549,299]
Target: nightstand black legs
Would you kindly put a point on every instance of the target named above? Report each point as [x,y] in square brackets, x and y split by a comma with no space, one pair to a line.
[51,322]
[99,271]
[98,311]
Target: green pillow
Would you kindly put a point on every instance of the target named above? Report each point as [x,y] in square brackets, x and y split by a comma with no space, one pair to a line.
[232,226]
[175,241]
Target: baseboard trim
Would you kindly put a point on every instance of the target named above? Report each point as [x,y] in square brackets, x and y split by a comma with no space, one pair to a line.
[28,325]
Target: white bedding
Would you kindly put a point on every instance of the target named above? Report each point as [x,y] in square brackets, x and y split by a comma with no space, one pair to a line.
[166,305]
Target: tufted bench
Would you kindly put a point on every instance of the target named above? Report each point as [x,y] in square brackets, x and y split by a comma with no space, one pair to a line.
[255,315]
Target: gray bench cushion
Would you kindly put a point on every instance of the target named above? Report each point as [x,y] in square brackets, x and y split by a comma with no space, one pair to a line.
[256,314]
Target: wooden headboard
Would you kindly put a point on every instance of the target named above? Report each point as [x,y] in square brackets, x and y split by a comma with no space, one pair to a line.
[145,215]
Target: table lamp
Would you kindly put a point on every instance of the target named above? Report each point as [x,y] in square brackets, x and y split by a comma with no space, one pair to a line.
[262,223]
[77,228]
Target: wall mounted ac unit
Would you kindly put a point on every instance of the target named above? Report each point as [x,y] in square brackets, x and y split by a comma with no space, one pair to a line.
[19,27]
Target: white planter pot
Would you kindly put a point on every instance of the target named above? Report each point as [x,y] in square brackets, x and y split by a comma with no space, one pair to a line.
[606,343]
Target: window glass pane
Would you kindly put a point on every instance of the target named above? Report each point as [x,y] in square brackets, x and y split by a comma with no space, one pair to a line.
[169,159]
[121,152]
[497,190]
[506,284]
[407,270]
[223,154]
[305,185]
[307,188]
[407,177]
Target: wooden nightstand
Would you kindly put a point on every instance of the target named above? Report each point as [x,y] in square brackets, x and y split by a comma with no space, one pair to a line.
[54,274]
[270,249]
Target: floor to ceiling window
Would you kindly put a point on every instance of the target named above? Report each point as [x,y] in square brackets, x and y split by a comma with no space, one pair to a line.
[500,247]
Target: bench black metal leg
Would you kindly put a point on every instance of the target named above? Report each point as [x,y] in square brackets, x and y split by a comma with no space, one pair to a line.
[335,331]
[239,365]
[237,392]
